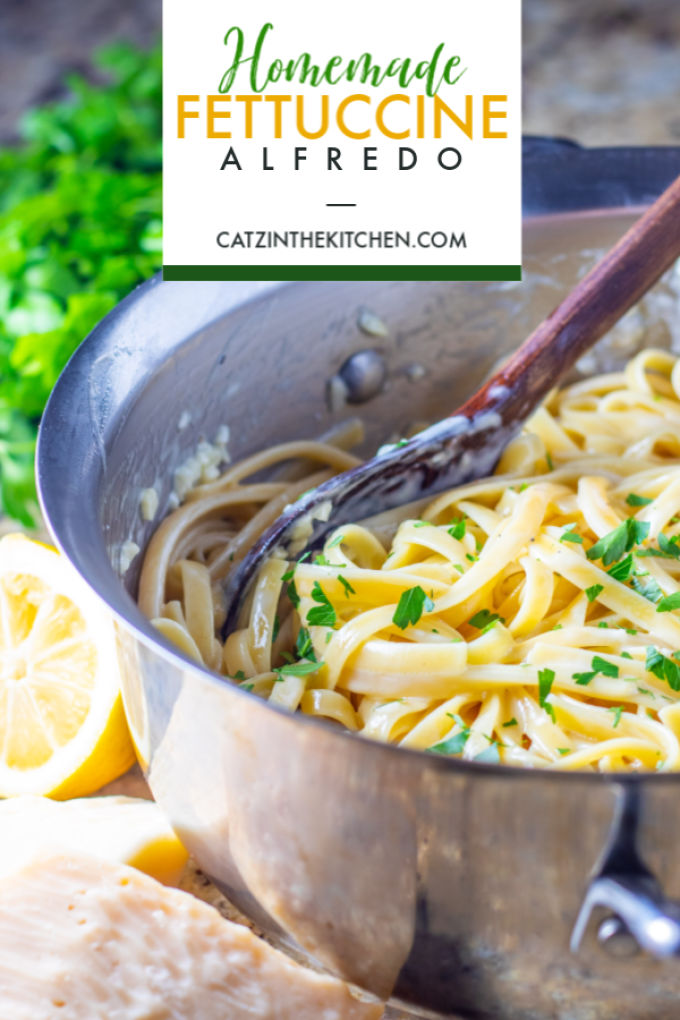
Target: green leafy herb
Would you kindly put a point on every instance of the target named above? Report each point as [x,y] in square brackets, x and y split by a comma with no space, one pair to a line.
[626,655]
[490,755]
[457,529]
[647,586]
[240,676]
[321,561]
[349,590]
[483,619]
[583,679]
[669,548]
[545,682]
[618,712]
[336,541]
[663,667]
[621,571]
[322,615]
[470,557]
[617,543]
[422,524]
[276,628]
[603,624]
[603,666]
[80,226]
[632,499]
[631,630]
[563,750]
[303,645]
[453,744]
[459,567]
[247,686]
[292,593]
[410,607]
[510,722]
[571,536]
[549,462]
[298,669]
[594,591]
[669,602]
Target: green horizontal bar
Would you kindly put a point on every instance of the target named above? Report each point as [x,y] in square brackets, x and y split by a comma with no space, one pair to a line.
[483,273]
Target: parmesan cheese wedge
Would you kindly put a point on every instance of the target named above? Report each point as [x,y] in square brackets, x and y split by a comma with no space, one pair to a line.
[82,938]
[125,830]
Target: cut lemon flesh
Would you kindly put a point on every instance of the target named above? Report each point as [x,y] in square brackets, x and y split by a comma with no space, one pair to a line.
[124,830]
[62,725]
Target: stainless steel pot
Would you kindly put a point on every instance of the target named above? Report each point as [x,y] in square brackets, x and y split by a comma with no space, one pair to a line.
[453,887]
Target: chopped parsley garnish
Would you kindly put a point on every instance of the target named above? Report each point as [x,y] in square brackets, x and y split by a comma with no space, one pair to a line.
[484,618]
[336,541]
[626,655]
[240,676]
[621,571]
[647,586]
[247,685]
[663,667]
[276,628]
[669,548]
[549,462]
[545,682]
[583,679]
[571,536]
[454,744]
[349,590]
[563,750]
[410,607]
[631,630]
[669,602]
[303,645]
[523,486]
[422,524]
[618,712]
[617,543]
[510,722]
[603,666]
[470,557]
[457,529]
[604,624]
[490,755]
[632,499]
[322,615]
[643,690]
[594,591]
[292,593]
[459,567]
[297,669]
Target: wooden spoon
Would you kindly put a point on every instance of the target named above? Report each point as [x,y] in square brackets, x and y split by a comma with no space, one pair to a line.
[468,444]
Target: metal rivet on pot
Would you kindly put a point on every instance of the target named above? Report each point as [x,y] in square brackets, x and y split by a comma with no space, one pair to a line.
[615,937]
[364,374]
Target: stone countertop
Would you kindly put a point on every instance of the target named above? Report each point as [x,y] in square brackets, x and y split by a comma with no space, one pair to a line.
[604,72]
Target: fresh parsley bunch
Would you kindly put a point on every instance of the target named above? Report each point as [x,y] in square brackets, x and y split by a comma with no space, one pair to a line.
[80,225]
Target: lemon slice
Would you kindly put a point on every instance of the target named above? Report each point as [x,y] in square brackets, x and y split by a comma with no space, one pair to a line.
[62,725]
[124,830]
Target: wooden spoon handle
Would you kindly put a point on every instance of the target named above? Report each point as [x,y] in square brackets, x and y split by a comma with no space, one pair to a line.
[599,300]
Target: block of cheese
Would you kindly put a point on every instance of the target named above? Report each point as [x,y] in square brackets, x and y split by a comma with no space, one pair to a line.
[129,830]
[82,938]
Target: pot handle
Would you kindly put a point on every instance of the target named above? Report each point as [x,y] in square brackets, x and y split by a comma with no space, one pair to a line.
[641,916]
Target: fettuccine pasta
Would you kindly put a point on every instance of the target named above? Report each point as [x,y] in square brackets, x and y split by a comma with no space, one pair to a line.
[531,618]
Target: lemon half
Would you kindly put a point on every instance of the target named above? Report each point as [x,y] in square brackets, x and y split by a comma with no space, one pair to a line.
[62,726]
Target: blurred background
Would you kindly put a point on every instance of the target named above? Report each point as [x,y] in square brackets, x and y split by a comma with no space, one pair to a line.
[80,161]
